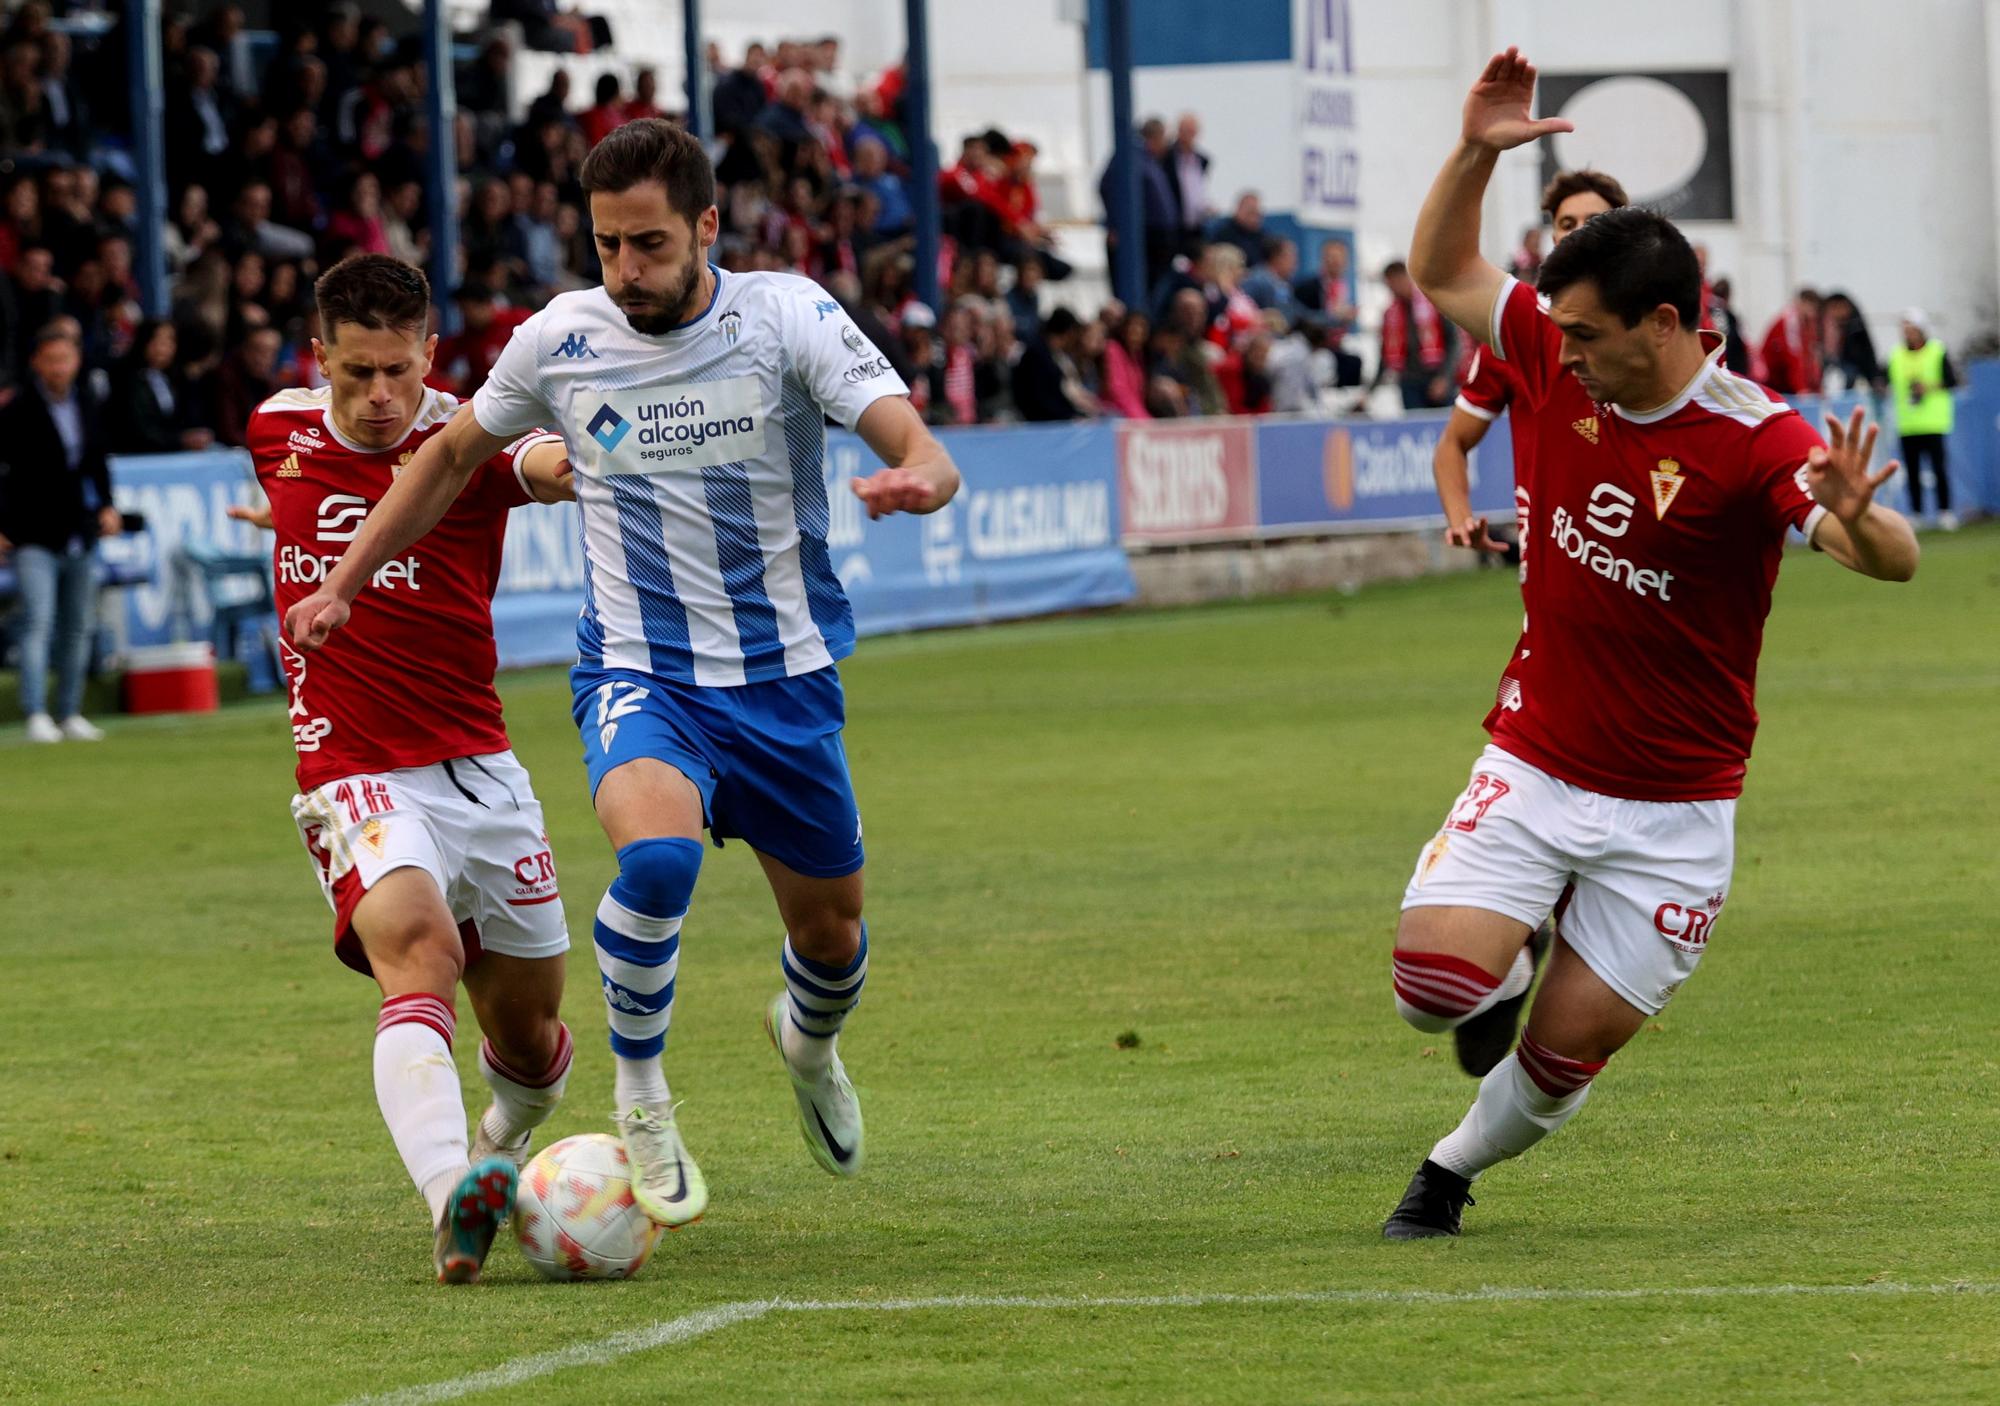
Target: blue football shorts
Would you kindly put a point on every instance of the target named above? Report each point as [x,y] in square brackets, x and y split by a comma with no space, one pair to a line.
[766,757]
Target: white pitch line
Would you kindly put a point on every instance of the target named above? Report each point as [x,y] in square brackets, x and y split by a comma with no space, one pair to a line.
[709,1320]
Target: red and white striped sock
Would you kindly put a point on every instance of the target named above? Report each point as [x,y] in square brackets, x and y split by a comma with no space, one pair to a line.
[522,1103]
[1528,1095]
[1436,991]
[416,1084]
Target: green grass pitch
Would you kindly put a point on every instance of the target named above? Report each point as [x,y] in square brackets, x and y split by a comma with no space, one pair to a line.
[1190,826]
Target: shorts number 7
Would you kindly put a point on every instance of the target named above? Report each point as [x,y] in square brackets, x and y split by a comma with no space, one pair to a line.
[1477,800]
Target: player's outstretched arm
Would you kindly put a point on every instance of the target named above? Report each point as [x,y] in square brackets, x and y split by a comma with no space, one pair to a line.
[412,506]
[1451,466]
[1444,252]
[546,470]
[1857,531]
[920,478]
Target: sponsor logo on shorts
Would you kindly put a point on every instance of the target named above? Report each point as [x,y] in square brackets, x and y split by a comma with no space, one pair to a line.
[375,835]
[534,878]
[1688,925]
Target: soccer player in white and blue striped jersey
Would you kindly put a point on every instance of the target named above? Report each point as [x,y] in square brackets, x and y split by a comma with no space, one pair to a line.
[693,403]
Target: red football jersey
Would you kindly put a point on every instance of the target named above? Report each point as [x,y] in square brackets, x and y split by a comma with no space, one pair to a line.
[1656,544]
[1489,388]
[408,681]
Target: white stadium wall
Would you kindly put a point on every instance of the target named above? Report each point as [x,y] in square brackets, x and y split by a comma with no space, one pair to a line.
[1863,134]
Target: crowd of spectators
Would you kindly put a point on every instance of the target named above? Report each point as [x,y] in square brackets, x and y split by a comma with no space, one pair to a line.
[281,167]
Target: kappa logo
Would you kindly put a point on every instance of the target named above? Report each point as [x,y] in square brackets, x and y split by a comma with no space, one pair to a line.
[1610,510]
[290,468]
[1667,483]
[1587,427]
[617,996]
[825,307]
[732,326]
[575,346]
[608,428]
[340,517]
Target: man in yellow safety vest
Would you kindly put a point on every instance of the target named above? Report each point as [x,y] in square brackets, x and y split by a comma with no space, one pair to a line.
[1921,379]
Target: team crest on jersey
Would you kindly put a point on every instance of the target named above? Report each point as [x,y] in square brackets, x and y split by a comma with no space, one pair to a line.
[402,462]
[1667,483]
[290,468]
[732,326]
[373,834]
[1587,427]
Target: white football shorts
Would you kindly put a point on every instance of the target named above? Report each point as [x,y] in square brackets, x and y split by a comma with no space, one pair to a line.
[473,824]
[1637,886]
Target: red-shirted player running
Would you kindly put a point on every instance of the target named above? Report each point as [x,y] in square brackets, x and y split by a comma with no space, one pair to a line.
[1657,499]
[1491,385]
[426,833]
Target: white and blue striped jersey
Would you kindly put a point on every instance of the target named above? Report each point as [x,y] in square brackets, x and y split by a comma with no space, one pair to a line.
[699,458]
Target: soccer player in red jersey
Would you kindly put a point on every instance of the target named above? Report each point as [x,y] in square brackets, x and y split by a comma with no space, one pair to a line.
[1658,499]
[1568,200]
[426,833]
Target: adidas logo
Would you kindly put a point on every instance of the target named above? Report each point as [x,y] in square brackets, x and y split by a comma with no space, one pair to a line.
[1587,427]
[290,468]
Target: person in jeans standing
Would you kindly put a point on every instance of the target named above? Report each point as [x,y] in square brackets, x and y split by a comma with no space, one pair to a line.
[55,502]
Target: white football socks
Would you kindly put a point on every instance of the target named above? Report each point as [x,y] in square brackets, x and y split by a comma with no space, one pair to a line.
[416,1084]
[521,1105]
[641,1083]
[1511,1115]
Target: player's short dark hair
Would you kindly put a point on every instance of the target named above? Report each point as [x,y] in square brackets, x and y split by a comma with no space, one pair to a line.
[375,292]
[1638,261]
[1568,183]
[653,149]
[1394,267]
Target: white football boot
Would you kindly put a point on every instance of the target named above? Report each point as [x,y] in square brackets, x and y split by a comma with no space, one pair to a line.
[666,1183]
[829,1111]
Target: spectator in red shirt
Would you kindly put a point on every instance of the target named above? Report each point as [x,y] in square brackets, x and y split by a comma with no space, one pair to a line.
[358,225]
[645,88]
[1789,358]
[609,113]
[464,361]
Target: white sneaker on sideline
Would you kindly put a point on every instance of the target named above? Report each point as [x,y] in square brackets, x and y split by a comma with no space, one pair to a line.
[1947,521]
[77,728]
[42,728]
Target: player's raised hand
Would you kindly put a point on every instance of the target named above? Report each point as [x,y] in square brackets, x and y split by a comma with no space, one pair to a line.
[312,620]
[897,491]
[1838,476]
[1472,533]
[1498,110]
[258,516]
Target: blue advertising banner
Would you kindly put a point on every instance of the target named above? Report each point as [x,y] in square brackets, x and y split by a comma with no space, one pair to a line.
[1330,476]
[1033,531]
[185,500]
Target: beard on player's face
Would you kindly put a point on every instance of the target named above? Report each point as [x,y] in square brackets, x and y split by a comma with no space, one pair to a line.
[652,314]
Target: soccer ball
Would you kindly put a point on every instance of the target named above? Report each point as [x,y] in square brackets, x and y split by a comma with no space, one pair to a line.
[575,1215]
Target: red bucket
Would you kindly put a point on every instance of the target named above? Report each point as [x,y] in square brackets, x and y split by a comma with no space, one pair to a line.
[171,678]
